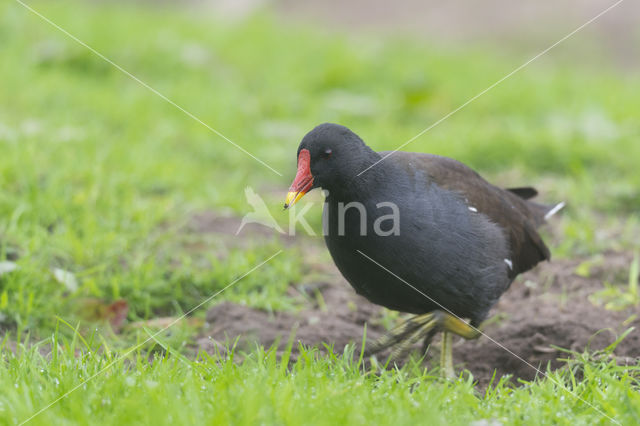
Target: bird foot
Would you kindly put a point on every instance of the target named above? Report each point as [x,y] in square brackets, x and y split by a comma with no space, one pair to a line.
[425,326]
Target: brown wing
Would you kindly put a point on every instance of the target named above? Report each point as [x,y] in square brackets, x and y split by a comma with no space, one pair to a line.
[518,217]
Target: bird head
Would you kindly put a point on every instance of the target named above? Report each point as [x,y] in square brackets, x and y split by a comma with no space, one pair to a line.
[330,155]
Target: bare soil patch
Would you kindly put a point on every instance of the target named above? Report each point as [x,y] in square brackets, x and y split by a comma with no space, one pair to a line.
[546,307]
[550,307]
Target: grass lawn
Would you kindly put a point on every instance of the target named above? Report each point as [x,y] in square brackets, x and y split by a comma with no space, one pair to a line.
[99,178]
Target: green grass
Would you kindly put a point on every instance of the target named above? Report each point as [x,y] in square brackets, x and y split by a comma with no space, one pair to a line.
[618,298]
[98,176]
[327,389]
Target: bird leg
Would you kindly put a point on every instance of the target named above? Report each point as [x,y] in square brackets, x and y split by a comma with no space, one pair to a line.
[446,358]
[425,326]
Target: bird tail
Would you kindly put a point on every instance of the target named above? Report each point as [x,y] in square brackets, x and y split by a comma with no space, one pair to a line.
[524,192]
[544,211]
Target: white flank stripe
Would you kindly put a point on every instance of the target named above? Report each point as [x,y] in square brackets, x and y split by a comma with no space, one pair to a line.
[554,210]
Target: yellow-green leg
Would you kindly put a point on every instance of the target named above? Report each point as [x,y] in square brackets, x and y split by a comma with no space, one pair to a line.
[446,358]
[425,327]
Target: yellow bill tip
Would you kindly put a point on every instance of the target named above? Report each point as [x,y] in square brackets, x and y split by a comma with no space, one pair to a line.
[292,198]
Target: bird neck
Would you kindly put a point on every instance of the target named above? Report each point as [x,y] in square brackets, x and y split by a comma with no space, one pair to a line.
[360,185]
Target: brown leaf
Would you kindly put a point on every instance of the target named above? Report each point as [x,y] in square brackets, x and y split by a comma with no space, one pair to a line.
[117,314]
[94,309]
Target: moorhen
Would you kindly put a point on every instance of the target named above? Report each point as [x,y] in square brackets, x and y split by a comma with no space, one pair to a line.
[419,233]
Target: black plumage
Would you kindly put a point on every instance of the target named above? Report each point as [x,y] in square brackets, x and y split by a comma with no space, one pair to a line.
[459,240]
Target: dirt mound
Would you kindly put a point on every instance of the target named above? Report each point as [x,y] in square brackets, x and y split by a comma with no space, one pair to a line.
[338,320]
[551,307]
[547,306]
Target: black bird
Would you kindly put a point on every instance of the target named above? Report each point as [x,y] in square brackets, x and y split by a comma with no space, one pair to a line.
[419,233]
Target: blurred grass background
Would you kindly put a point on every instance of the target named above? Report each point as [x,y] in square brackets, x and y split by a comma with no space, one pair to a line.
[98,175]
[98,172]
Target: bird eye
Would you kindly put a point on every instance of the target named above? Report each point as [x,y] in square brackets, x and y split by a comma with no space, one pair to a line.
[327,153]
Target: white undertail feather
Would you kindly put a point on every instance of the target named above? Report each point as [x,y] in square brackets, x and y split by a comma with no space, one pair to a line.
[554,210]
